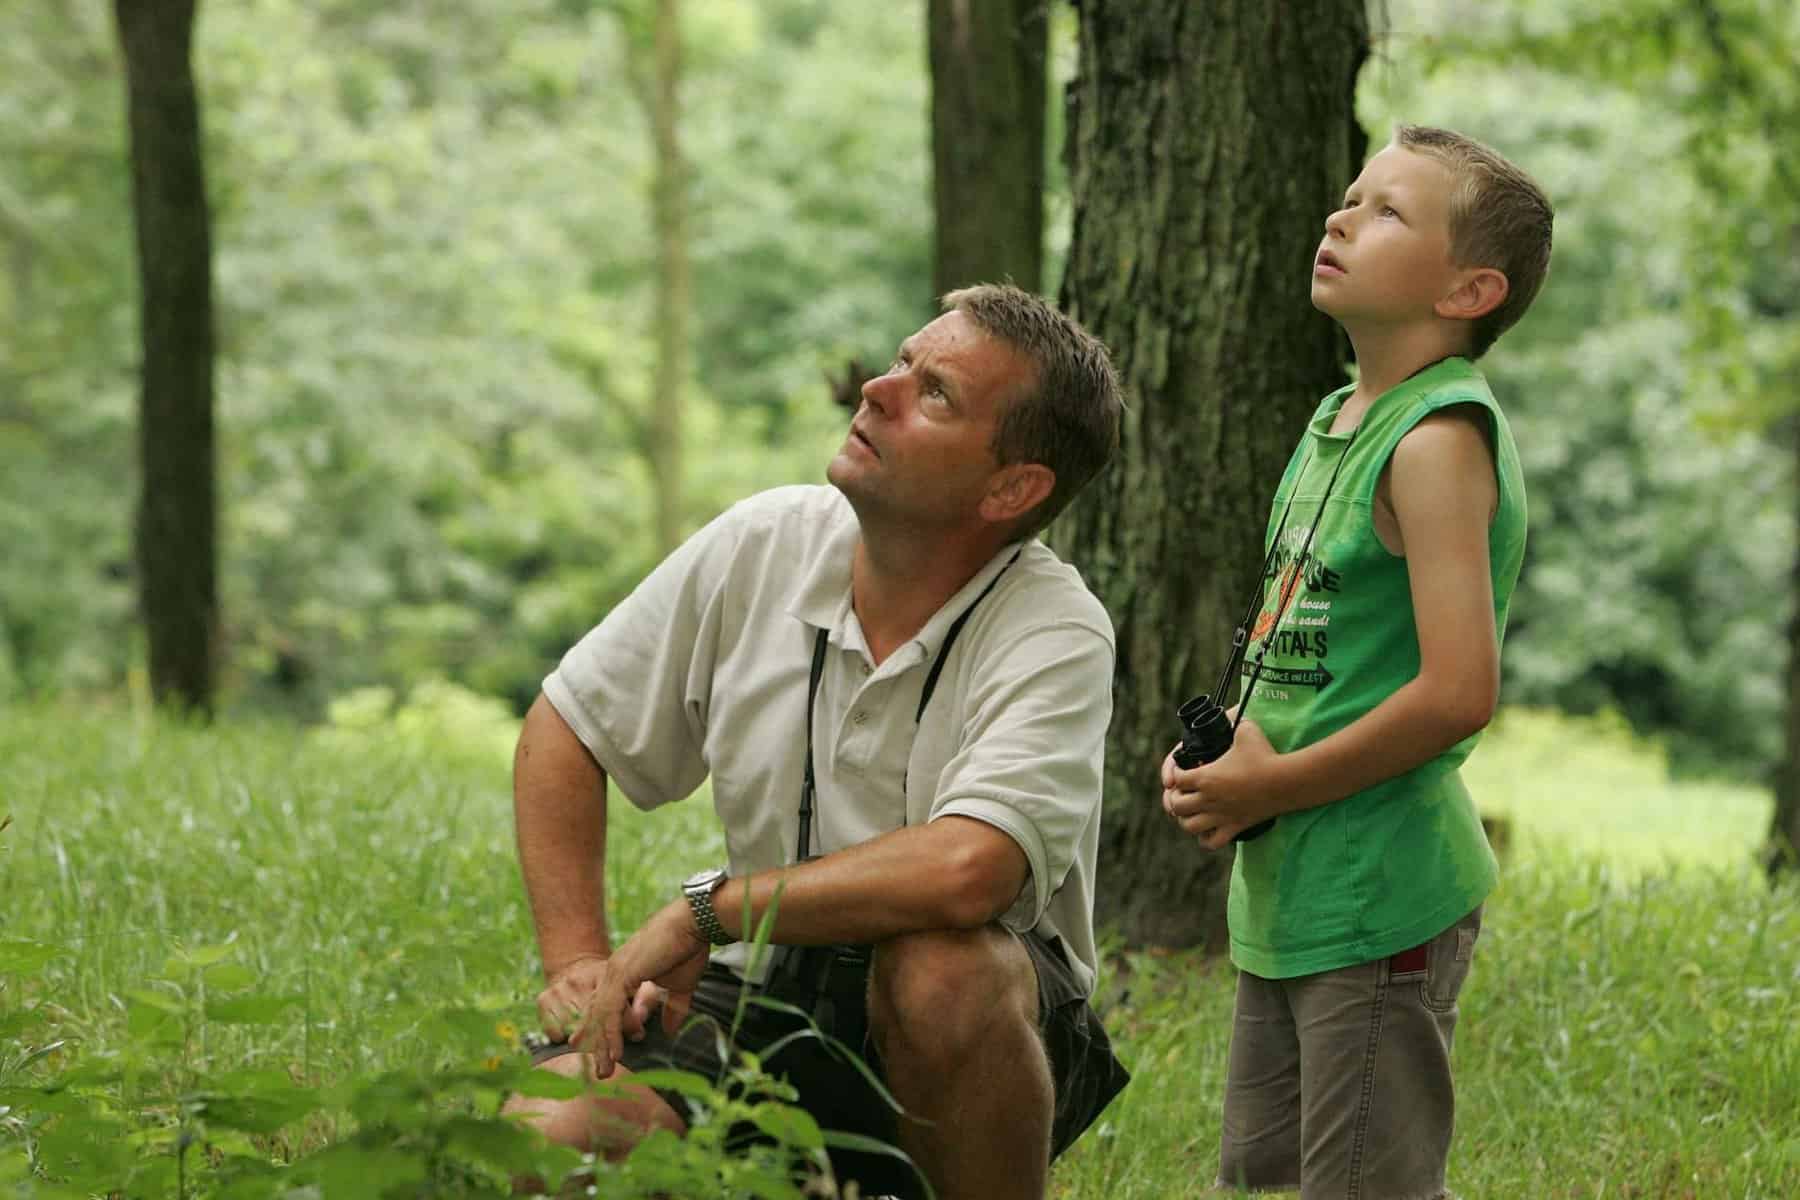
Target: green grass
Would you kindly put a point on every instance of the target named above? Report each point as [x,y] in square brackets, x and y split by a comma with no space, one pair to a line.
[1629,1032]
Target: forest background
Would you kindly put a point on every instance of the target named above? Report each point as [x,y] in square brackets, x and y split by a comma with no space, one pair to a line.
[436,267]
[442,428]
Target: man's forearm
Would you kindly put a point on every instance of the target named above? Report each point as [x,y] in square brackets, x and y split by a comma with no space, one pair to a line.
[559,815]
[953,873]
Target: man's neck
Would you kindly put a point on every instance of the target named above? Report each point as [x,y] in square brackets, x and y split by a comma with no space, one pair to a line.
[1388,357]
[898,581]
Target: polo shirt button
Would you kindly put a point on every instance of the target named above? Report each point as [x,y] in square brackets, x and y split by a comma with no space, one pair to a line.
[867,669]
[859,717]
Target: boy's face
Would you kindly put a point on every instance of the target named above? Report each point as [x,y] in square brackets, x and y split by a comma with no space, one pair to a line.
[1385,257]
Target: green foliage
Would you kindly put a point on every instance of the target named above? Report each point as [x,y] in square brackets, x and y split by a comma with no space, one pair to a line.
[265,960]
[302,958]
[1657,580]
[434,273]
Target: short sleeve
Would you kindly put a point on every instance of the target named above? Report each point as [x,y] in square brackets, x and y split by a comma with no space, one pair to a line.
[636,689]
[1031,756]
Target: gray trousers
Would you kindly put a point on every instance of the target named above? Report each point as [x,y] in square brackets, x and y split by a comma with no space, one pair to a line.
[1339,1083]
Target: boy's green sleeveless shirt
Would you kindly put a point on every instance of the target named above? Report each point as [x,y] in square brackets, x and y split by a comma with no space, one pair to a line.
[1388,868]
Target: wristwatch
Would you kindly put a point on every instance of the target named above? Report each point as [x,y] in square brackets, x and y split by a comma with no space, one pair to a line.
[699,888]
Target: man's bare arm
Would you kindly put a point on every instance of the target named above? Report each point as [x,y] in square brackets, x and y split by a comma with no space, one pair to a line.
[559,815]
[951,873]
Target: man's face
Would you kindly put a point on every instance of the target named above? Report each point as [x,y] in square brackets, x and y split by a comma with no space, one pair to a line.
[920,444]
[1385,257]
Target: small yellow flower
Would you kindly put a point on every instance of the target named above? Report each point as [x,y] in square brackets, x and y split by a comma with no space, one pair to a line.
[491,1062]
[509,1033]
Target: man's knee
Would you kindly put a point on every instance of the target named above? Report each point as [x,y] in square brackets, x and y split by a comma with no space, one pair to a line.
[947,991]
[608,1121]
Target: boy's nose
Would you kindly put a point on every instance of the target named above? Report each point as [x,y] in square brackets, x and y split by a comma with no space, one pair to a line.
[1337,223]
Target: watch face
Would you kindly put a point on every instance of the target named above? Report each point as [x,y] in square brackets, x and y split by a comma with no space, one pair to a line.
[700,879]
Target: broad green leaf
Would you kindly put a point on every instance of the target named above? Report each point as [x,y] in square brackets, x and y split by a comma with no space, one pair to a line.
[349,1169]
[501,1144]
[19,956]
[47,1100]
[687,1083]
[256,1101]
[230,976]
[548,1085]
[251,1010]
[787,1125]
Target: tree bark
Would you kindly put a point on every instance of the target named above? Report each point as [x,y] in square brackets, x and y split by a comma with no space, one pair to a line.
[672,281]
[1782,854]
[177,513]
[1206,146]
[987,140]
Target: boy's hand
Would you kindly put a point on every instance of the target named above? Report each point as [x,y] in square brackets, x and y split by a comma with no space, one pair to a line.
[1219,800]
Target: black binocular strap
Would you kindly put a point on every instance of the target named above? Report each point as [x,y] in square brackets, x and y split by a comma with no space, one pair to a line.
[808,788]
[1282,593]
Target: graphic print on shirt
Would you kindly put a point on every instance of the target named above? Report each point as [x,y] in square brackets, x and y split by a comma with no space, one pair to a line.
[1297,608]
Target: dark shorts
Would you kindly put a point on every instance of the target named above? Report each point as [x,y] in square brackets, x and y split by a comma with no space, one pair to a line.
[1082,1066]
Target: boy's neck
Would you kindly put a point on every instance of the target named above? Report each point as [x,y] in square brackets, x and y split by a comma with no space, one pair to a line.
[1387,358]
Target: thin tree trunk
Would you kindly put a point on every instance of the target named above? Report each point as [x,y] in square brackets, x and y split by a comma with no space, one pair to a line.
[1783,851]
[1207,145]
[987,140]
[177,522]
[672,281]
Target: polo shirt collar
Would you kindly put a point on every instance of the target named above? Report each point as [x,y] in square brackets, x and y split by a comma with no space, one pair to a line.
[821,596]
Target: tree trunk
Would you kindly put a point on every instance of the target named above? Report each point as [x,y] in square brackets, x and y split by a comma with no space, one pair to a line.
[1206,147]
[177,522]
[987,140]
[672,280]
[1783,850]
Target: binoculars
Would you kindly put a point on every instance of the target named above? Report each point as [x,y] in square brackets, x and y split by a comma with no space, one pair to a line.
[1206,734]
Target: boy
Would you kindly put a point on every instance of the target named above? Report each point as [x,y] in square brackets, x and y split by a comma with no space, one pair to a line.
[1396,537]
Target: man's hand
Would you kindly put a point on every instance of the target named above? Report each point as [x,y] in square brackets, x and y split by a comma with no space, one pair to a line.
[1216,801]
[665,960]
[563,1004]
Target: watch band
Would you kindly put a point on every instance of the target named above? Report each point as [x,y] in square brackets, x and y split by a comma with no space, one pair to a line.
[699,891]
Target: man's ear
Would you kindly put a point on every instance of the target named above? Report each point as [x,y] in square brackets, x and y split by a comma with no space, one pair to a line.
[1015,490]
[1481,291]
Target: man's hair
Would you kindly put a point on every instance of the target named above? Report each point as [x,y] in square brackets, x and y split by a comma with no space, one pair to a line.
[1499,218]
[1067,415]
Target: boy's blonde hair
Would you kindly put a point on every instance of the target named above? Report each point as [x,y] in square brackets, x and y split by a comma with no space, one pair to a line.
[1499,218]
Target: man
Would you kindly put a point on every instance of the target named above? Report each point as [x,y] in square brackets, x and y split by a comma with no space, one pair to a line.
[904,642]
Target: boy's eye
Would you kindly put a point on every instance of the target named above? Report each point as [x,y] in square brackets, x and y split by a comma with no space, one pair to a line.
[1387,210]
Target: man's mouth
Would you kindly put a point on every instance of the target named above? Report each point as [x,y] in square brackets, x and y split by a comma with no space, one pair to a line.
[857,436]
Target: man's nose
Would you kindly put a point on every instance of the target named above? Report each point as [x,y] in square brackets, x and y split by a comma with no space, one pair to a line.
[878,393]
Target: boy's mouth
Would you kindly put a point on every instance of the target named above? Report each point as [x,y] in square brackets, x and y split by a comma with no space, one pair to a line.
[1327,264]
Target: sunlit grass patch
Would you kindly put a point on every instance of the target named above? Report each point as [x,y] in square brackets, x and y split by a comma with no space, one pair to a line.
[1590,786]
[1628,1030]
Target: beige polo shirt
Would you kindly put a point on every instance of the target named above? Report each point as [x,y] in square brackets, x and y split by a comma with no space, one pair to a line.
[703,669]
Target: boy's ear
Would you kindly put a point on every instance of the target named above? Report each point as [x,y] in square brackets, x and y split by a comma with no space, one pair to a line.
[1482,290]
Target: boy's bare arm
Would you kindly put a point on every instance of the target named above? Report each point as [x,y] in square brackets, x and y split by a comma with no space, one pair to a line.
[1442,480]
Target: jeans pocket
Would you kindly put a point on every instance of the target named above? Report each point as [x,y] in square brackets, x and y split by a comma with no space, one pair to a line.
[1447,968]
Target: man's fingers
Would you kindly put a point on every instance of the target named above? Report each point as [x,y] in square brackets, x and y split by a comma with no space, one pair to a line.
[675,1009]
